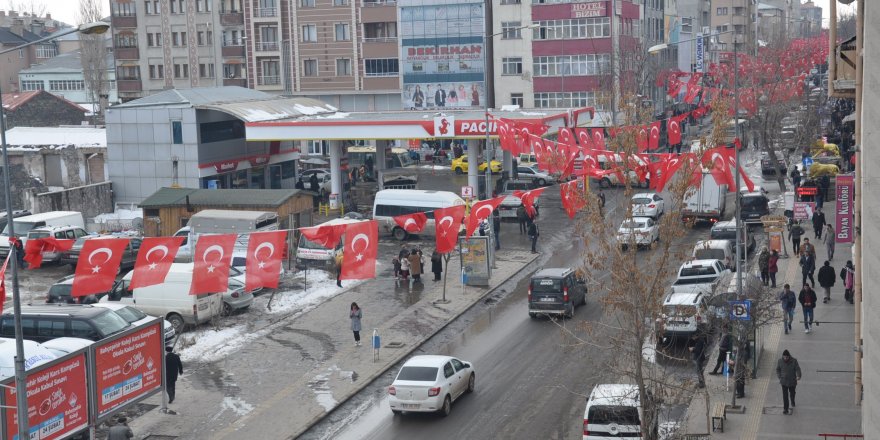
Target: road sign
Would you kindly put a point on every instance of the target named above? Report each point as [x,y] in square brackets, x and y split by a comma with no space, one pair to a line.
[808,162]
[741,310]
[467,192]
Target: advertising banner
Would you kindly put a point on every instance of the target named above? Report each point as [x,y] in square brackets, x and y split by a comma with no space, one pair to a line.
[57,400]
[442,54]
[700,54]
[804,210]
[475,264]
[844,215]
[128,368]
[591,9]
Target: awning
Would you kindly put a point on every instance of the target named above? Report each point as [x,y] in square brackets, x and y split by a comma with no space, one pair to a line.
[850,118]
[314,161]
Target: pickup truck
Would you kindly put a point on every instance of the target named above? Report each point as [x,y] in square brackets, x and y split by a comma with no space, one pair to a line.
[700,275]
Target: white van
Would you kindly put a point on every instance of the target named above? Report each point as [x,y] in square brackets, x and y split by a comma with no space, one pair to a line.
[311,254]
[616,161]
[614,411]
[222,221]
[23,225]
[716,250]
[390,203]
[171,299]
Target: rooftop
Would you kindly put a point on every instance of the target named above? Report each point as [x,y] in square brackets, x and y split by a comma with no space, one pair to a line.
[11,101]
[56,136]
[220,198]
[64,63]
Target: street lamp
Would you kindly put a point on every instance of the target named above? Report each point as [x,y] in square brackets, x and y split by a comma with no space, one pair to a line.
[486,73]
[98,27]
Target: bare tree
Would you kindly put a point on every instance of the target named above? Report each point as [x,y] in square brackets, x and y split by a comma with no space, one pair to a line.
[93,55]
[35,8]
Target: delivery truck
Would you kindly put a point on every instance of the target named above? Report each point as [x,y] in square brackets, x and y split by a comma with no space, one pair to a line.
[705,202]
[223,221]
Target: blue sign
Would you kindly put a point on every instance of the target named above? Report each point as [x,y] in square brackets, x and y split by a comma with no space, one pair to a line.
[741,310]
[808,162]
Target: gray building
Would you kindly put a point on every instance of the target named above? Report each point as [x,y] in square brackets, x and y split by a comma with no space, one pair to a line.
[195,138]
[62,75]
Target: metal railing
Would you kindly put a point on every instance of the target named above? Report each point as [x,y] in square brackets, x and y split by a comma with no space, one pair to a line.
[269,80]
[267,46]
[380,39]
[843,436]
[266,12]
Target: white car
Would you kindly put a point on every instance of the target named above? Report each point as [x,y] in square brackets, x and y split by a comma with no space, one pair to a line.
[538,177]
[135,317]
[648,205]
[64,346]
[323,179]
[34,355]
[638,231]
[430,383]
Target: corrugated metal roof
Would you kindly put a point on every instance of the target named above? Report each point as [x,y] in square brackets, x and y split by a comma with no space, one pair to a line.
[271,110]
[198,96]
[218,198]
[65,62]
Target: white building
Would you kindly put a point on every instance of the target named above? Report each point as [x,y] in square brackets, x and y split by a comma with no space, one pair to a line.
[62,75]
[512,57]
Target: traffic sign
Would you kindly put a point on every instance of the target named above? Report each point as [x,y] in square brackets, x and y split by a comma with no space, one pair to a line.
[467,192]
[741,310]
[808,162]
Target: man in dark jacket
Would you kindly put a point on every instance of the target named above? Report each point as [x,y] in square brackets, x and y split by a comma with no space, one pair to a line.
[789,302]
[789,373]
[313,183]
[120,431]
[697,346]
[724,346]
[808,267]
[827,277]
[795,235]
[818,223]
[173,367]
[496,228]
[807,298]
[523,219]
[533,235]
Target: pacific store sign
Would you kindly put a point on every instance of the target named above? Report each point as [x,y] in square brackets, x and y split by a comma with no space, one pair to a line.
[585,10]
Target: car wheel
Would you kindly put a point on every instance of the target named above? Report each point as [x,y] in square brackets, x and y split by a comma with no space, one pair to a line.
[176,322]
[470,388]
[396,412]
[542,182]
[227,309]
[447,406]
[604,183]
[533,315]
[458,171]
[569,312]
[399,234]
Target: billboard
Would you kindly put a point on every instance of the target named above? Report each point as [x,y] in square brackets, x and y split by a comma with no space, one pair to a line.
[128,368]
[844,215]
[442,54]
[57,399]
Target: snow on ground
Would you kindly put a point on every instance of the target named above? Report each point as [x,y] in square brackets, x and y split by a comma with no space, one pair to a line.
[435,167]
[120,214]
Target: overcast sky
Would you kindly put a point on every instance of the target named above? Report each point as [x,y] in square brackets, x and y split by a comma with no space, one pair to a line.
[66,10]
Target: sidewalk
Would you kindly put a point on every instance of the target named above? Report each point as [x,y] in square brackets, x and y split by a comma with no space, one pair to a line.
[304,367]
[825,395]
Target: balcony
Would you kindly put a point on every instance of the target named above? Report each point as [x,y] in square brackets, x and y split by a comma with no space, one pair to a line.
[126,53]
[372,3]
[128,85]
[232,51]
[267,46]
[127,21]
[240,82]
[266,12]
[231,18]
[268,80]
[381,40]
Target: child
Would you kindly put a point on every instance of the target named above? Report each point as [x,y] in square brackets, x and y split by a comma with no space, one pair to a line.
[396,263]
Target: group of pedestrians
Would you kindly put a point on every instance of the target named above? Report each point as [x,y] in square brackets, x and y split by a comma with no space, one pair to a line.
[528,225]
[411,262]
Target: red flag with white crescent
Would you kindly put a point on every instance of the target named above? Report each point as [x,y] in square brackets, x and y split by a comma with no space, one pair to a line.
[359,254]
[479,212]
[264,254]
[585,140]
[528,199]
[97,265]
[673,130]
[447,223]
[692,91]
[154,261]
[565,136]
[3,282]
[412,223]
[325,236]
[641,138]
[572,200]
[598,138]
[654,136]
[35,247]
[211,262]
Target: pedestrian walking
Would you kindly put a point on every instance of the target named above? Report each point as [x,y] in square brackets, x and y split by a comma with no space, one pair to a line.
[369,162]
[773,267]
[828,239]
[173,368]
[789,373]
[764,265]
[19,251]
[789,302]
[355,314]
[807,298]
[436,264]
[396,263]
[523,219]
[533,235]
[824,184]
[827,276]
[808,248]
[697,346]
[339,269]
[120,431]
[724,346]
[514,168]
[601,201]
[404,268]
[795,179]
[808,266]
[496,228]
[415,266]
[848,275]
[795,234]
[818,223]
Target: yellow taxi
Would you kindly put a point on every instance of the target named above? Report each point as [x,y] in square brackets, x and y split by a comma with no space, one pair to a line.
[460,165]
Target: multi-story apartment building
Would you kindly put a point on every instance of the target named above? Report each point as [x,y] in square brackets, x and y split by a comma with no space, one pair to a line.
[737,19]
[810,24]
[16,34]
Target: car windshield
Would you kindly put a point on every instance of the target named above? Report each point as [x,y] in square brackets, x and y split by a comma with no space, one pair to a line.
[305,243]
[754,202]
[631,224]
[109,323]
[38,234]
[606,415]
[60,290]
[723,233]
[235,285]
[418,374]
[234,271]
[709,254]
[131,314]
[641,201]
[547,285]
[697,271]
[680,310]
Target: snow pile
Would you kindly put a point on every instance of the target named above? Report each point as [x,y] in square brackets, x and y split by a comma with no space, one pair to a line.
[309,110]
[50,136]
[337,115]
[120,214]
[257,115]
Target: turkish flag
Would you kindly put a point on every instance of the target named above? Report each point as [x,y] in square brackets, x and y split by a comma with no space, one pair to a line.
[692,92]
[572,200]
[97,265]
[264,254]
[361,247]
[325,236]
[716,159]
[673,130]
[583,137]
[654,136]
[528,199]
[598,138]
[506,136]
[34,248]
[447,223]
[695,78]
[211,263]
[674,87]
[479,212]
[731,162]
[642,138]
[154,261]
[3,282]
[565,136]
[412,223]
[699,112]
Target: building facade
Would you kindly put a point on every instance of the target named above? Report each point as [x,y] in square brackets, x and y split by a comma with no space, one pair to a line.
[39,108]
[737,19]
[22,32]
[810,23]
[63,76]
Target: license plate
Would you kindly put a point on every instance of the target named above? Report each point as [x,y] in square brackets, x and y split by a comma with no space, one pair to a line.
[548,299]
[410,406]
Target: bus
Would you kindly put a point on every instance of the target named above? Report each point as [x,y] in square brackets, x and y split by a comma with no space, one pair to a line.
[390,203]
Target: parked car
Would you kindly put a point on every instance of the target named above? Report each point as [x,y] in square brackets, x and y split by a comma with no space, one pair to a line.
[639,232]
[753,206]
[716,250]
[684,314]
[460,165]
[129,256]
[59,293]
[235,298]
[726,230]
[68,232]
[538,177]
[34,356]
[648,205]
[510,204]
[615,411]
[44,322]
[430,383]
[64,346]
[135,317]
[323,179]
[556,291]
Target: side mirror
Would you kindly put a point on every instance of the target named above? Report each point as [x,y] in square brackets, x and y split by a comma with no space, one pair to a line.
[466,365]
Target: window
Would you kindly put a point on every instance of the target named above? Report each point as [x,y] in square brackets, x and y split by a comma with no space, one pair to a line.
[128,72]
[157,71]
[599,27]
[578,65]
[125,40]
[123,9]
[511,30]
[231,38]
[154,39]
[739,29]
[380,31]
[270,73]
[204,38]
[232,71]
[28,86]
[177,132]
[342,32]
[148,7]
[203,5]
[566,99]
[738,10]
[317,147]
[343,67]
[178,39]
[46,51]
[310,33]
[516,99]
[511,2]
[310,67]
[721,11]
[511,66]
[206,70]
[307,3]
[65,85]
[221,131]
[720,29]
[340,2]
[181,71]
[381,67]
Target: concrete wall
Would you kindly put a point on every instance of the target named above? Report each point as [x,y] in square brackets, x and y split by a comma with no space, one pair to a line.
[90,200]
[869,199]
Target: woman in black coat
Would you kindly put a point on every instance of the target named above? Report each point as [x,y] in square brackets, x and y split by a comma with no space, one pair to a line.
[436,264]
